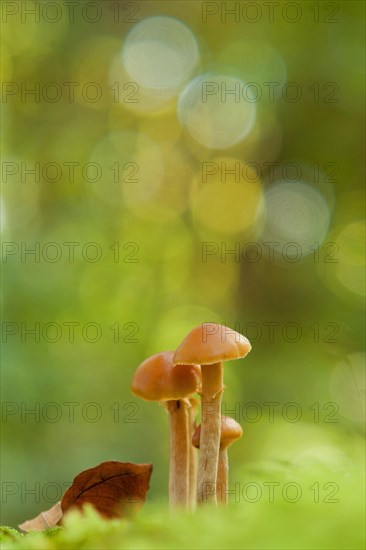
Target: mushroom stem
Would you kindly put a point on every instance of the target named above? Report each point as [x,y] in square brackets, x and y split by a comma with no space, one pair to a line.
[222,476]
[193,458]
[211,396]
[179,453]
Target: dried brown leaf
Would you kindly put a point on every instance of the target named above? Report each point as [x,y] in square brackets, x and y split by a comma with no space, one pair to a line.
[44,520]
[115,489]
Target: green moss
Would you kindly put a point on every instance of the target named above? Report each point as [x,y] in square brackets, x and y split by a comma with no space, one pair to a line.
[8,533]
[329,514]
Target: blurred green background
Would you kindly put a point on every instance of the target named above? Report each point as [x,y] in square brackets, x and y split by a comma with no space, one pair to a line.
[149,277]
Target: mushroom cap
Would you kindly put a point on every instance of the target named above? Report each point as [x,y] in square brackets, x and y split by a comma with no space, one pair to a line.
[230,432]
[156,379]
[211,343]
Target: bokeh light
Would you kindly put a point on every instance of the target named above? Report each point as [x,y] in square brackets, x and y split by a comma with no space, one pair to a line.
[297,217]
[159,54]
[217,110]
[134,97]
[344,270]
[160,194]
[226,196]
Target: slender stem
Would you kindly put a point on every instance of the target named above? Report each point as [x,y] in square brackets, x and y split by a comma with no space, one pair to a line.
[222,476]
[193,458]
[179,453]
[211,396]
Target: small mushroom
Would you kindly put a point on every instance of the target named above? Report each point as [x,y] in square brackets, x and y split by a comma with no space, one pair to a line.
[231,431]
[208,345]
[156,380]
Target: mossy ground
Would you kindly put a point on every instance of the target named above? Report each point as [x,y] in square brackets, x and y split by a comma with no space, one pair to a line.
[335,522]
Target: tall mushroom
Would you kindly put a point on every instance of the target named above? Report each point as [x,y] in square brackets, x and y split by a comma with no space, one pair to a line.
[230,431]
[208,345]
[193,458]
[156,380]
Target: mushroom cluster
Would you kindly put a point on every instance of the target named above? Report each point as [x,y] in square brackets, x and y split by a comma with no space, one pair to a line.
[172,378]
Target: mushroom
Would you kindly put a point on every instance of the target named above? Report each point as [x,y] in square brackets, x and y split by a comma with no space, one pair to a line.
[193,455]
[156,380]
[230,431]
[208,345]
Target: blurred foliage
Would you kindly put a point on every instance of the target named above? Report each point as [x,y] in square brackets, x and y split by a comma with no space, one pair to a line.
[167,216]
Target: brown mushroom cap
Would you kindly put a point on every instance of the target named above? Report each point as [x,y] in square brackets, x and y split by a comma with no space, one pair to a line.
[156,379]
[230,432]
[211,343]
